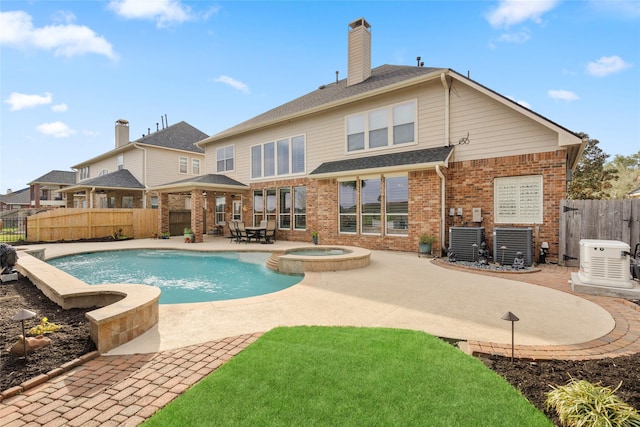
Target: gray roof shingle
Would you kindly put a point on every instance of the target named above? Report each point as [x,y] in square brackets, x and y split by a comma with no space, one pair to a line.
[20,197]
[212,179]
[56,177]
[416,157]
[119,179]
[180,136]
[384,75]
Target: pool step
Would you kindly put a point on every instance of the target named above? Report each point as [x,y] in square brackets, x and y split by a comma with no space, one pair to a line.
[272,261]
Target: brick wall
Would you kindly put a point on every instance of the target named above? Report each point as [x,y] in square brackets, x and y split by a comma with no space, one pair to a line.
[470,185]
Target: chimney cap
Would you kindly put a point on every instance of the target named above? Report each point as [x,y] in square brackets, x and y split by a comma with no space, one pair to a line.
[360,22]
[122,122]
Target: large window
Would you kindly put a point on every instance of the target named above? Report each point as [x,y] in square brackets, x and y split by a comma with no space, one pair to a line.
[285,208]
[221,207]
[258,207]
[348,209]
[84,173]
[183,164]
[397,205]
[361,208]
[518,199]
[224,158]
[370,207]
[280,158]
[370,130]
[300,208]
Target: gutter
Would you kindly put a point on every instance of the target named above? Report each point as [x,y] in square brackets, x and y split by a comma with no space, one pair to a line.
[443,192]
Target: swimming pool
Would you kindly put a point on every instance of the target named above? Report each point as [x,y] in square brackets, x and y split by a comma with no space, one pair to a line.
[183,276]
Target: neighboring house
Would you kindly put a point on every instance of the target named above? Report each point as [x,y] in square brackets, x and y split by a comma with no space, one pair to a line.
[15,200]
[634,194]
[387,154]
[121,178]
[45,191]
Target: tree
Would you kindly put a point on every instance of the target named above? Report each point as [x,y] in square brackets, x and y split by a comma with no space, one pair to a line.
[590,179]
[628,171]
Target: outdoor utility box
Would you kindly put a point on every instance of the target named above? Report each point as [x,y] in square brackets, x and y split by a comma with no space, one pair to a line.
[515,239]
[462,239]
[605,263]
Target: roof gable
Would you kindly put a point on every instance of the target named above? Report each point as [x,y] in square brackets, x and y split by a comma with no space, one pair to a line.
[56,177]
[381,77]
[119,179]
[180,136]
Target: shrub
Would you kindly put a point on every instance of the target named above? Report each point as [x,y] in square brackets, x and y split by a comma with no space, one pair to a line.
[580,403]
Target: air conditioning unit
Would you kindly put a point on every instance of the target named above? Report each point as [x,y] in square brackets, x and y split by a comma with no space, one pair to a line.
[515,240]
[605,263]
[462,239]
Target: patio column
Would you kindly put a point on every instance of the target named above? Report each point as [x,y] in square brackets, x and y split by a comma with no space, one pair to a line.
[196,215]
[163,213]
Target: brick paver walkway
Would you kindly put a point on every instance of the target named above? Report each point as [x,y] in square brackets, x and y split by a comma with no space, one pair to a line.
[126,390]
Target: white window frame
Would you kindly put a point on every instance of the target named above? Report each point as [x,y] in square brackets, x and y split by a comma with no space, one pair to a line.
[195,166]
[120,162]
[221,207]
[223,156]
[279,158]
[299,212]
[183,165]
[359,127]
[518,199]
[390,217]
[369,217]
[355,214]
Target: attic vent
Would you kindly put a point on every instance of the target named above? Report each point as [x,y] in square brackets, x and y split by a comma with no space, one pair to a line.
[516,240]
[462,239]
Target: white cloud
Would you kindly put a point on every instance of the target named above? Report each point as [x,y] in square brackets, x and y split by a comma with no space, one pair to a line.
[519,37]
[20,101]
[624,9]
[55,129]
[59,108]
[563,95]
[606,65]
[90,132]
[164,12]
[510,12]
[242,87]
[525,104]
[69,40]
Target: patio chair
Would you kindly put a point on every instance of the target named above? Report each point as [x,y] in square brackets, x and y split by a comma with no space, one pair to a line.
[243,236]
[233,230]
[270,232]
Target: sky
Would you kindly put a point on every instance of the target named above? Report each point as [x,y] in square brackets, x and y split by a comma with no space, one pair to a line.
[70,69]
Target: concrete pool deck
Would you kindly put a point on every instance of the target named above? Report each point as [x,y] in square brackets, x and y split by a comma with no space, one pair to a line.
[398,290]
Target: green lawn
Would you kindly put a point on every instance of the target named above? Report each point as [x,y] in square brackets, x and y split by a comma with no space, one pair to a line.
[323,376]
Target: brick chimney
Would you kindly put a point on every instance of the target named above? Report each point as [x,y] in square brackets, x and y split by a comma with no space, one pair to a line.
[122,133]
[359,52]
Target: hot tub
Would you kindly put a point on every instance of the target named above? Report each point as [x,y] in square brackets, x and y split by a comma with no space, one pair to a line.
[322,258]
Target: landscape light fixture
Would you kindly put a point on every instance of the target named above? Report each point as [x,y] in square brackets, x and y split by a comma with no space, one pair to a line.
[503,248]
[475,250]
[510,317]
[23,315]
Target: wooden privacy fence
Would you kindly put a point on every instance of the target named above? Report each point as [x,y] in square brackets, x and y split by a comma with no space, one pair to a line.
[82,223]
[596,219]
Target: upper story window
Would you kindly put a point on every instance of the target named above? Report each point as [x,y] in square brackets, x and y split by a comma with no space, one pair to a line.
[278,158]
[195,166]
[84,173]
[183,164]
[225,158]
[518,199]
[382,128]
[120,161]
[104,172]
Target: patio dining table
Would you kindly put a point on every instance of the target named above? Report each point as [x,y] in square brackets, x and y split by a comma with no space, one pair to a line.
[256,232]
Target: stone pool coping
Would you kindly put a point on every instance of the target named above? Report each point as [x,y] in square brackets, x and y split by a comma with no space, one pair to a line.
[126,311]
[290,262]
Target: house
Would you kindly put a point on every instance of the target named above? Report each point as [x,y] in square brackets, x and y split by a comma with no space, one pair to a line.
[384,155]
[15,200]
[122,177]
[45,190]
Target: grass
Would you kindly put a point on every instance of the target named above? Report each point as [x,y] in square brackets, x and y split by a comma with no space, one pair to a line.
[318,376]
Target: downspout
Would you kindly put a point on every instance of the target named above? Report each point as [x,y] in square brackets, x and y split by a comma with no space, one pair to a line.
[144,175]
[443,193]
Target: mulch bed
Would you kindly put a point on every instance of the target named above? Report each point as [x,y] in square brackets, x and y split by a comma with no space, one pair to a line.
[532,379]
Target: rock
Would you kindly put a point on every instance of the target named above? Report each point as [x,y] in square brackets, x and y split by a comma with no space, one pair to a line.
[33,344]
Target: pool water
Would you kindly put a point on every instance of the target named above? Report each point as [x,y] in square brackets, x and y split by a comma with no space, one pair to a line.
[183,276]
[318,252]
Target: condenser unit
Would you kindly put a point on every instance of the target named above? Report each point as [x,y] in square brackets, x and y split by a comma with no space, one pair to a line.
[462,239]
[514,239]
[605,263]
